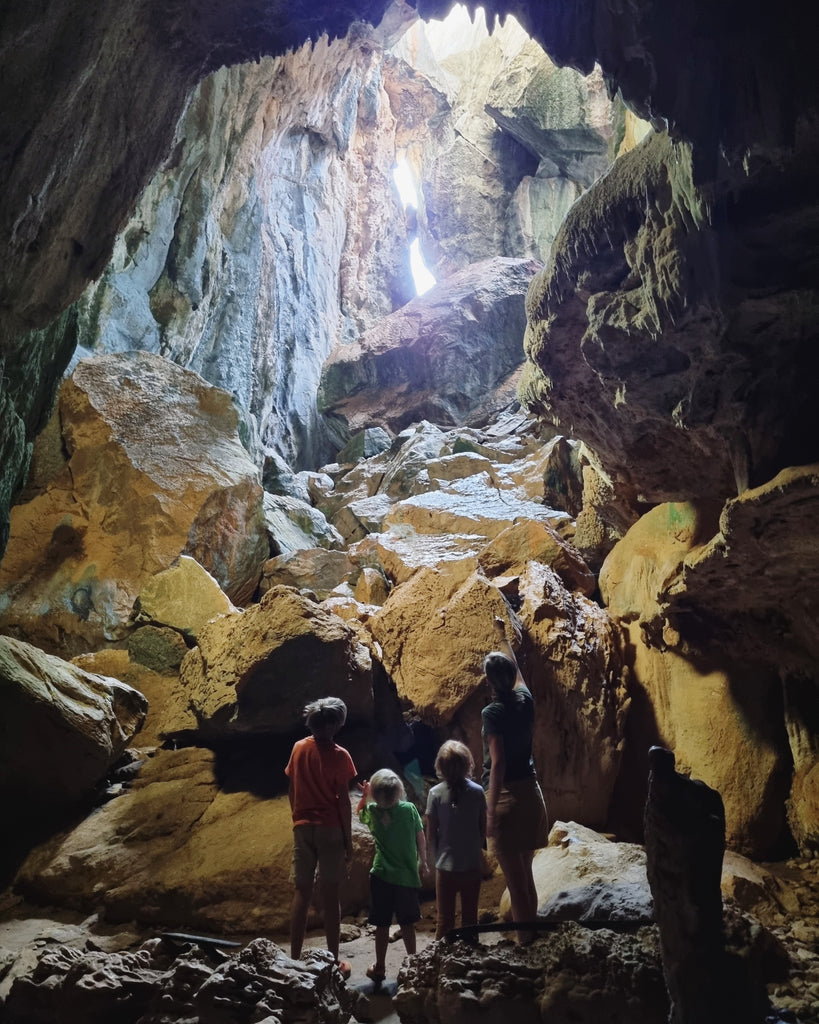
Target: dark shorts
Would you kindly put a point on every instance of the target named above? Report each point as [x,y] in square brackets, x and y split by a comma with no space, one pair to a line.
[521,824]
[387,899]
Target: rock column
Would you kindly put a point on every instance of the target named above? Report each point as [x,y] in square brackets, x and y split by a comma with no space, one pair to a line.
[685,842]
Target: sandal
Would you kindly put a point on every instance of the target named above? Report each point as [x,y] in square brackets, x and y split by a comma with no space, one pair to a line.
[345,968]
[375,975]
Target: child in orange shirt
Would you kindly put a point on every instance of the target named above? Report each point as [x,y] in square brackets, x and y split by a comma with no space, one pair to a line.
[320,773]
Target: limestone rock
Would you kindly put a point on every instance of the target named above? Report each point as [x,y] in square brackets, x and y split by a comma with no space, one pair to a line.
[574,973]
[435,358]
[365,444]
[159,648]
[366,515]
[63,729]
[155,469]
[433,631]
[372,587]
[184,597]
[294,525]
[165,979]
[469,506]
[160,688]
[508,553]
[575,661]
[756,890]
[564,117]
[402,552]
[316,570]
[685,842]
[723,718]
[583,876]
[177,846]
[682,375]
[254,672]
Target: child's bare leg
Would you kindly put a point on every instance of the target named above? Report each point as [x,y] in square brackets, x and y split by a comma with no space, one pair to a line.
[445,896]
[298,920]
[382,939]
[332,915]
[470,897]
[408,935]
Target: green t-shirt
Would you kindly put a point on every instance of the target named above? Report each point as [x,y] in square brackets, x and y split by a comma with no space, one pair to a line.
[396,846]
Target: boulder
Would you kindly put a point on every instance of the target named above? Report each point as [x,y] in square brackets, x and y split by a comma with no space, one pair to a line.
[358,518]
[433,632]
[365,444]
[722,717]
[402,552]
[176,846]
[154,469]
[372,587]
[469,506]
[530,541]
[584,876]
[253,672]
[184,597]
[160,687]
[575,660]
[316,570]
[294,524]
[158,648]
[438,356]
[63,727]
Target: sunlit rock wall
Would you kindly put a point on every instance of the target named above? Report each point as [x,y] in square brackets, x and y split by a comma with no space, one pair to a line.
[500,140]
[271,234]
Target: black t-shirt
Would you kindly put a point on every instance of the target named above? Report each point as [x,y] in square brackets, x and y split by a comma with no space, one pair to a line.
[513,721]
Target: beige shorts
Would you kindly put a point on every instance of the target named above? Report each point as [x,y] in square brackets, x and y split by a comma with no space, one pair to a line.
[318,846]
[521,823]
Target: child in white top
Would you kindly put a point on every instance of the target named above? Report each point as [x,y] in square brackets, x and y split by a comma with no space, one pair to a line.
[456,832]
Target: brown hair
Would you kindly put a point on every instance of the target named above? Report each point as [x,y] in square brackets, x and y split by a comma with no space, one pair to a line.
[454,763]
[501,672]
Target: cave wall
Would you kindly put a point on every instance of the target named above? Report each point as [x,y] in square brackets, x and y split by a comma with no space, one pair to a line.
[91,99]
[273,235]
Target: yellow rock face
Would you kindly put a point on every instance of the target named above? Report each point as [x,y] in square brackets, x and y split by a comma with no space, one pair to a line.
[719,718]
[155,469]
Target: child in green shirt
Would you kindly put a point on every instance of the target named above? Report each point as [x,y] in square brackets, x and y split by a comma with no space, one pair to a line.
[398,832]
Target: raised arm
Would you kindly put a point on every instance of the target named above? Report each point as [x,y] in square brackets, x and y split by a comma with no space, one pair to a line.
[503,645]
[365,792]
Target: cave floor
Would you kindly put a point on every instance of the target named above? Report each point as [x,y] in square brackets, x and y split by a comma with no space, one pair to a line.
[25,931]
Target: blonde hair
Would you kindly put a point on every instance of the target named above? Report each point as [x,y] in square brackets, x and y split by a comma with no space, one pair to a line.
[386,788]
[454,763]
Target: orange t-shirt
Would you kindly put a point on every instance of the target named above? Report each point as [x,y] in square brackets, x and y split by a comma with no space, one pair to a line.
[316,774]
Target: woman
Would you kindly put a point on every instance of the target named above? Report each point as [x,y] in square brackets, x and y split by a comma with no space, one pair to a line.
[516,822]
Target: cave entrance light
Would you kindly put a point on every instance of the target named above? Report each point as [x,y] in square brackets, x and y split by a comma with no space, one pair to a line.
[402,175]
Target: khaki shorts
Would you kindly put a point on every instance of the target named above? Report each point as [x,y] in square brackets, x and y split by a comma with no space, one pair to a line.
[318,846]
[521,823]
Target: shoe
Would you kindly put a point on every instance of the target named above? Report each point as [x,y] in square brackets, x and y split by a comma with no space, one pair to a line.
[345,968]
[375,975]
